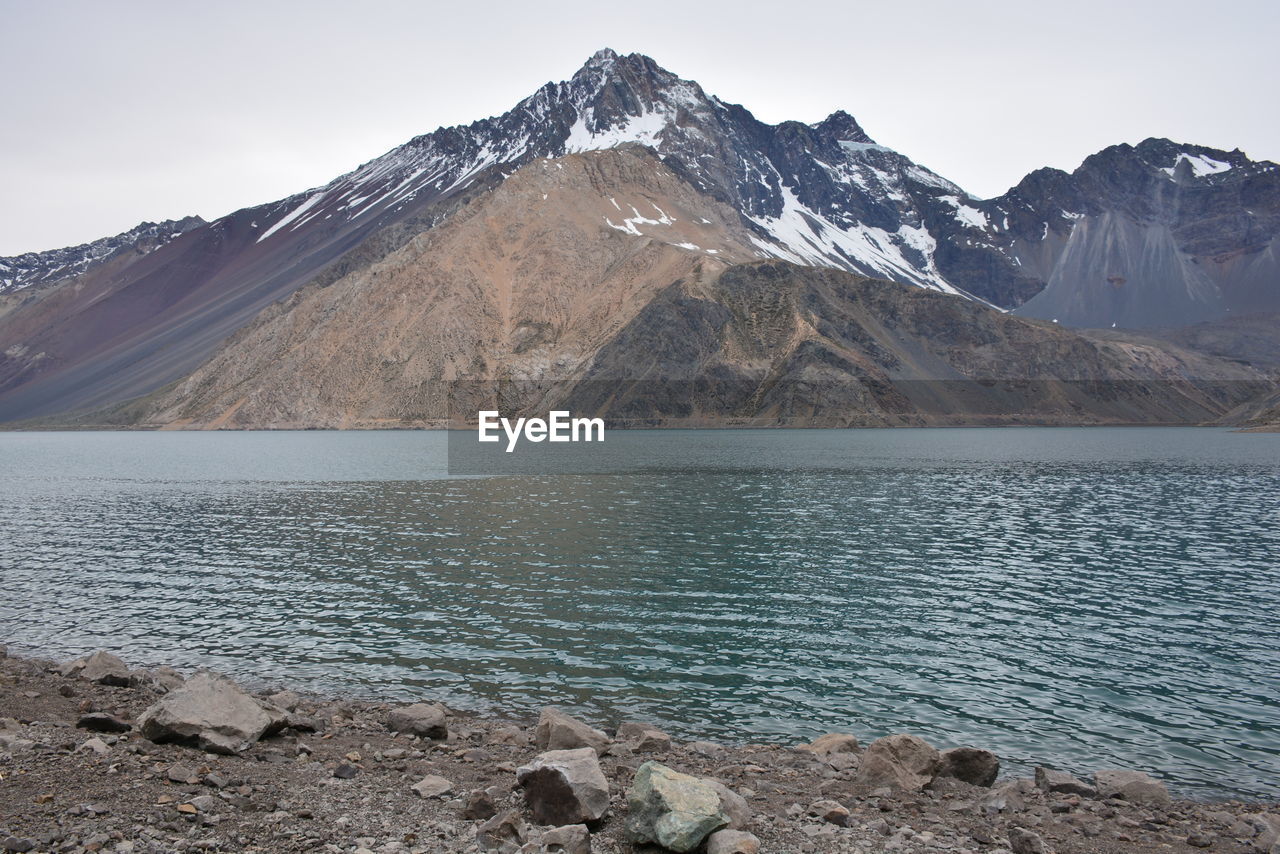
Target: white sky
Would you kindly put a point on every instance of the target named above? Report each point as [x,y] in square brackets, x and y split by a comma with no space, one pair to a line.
[118,112]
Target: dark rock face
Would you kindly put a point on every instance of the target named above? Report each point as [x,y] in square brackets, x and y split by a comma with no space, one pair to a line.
[1158,234]
[565,787]
[771,343]
[971,765]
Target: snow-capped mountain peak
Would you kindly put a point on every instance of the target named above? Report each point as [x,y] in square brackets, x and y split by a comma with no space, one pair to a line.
[822,194]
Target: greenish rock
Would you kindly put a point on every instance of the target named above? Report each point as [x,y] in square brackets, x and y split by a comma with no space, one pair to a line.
[670,809]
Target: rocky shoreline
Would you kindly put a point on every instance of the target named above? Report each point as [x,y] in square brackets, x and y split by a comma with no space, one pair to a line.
[96,757]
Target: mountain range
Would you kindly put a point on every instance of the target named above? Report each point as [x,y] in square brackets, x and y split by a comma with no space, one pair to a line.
[625,226]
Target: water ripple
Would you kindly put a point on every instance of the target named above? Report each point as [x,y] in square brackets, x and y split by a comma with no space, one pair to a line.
[1083,598]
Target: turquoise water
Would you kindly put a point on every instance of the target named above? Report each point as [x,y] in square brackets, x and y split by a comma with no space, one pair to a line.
[1079,597]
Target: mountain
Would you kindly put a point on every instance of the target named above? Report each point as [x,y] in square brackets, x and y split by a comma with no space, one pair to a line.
[1155,235]
[532,297]
[37,268]
[1151,222]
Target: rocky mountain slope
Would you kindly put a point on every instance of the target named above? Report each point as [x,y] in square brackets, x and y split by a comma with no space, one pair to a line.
[768,343]
[533,292]
[1160,234]
[37,268]
[526,282]
[1156,235]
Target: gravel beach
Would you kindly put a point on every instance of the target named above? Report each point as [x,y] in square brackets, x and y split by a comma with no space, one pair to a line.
[97,757]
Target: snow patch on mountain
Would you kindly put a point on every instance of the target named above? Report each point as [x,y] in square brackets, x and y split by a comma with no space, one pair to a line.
[1200,164]
[966,215]
[803,236]
[644,129]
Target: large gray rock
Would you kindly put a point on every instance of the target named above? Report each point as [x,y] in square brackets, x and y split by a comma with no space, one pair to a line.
[670,809]
[1133,786]
[1060,781]
[1023,841]
[505,833]
[558,731]
[970,765]
[732,842]
[101,667]
[831,812]
[565,787]
[432,786]
[428,720]
[732,805]
[569,839]
[898,762]
[212,713]
[481,804]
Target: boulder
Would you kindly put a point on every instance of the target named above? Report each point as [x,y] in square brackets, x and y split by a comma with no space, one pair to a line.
[732,804]
[644,738]
[181,774]
[970,765]
[1133,786]
[207,803]
[568,839]
[898,762]
[672,810]
[565,787]
[481,804]
[1060,781]
[101,667]
[302,723]
[732,842]
[558,731]
[842,761]
[832,742]
[504,833]
[432,786]
[212,713]
[428,720]
[96,745]
[1023,841]
[831,812]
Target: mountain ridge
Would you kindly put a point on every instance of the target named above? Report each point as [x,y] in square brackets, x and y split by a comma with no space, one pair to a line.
[532,292]
[1062,246]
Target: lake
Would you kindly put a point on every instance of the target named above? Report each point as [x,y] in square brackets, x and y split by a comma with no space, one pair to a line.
[1082,598]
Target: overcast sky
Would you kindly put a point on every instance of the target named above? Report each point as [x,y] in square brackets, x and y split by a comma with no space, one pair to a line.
[116,112]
